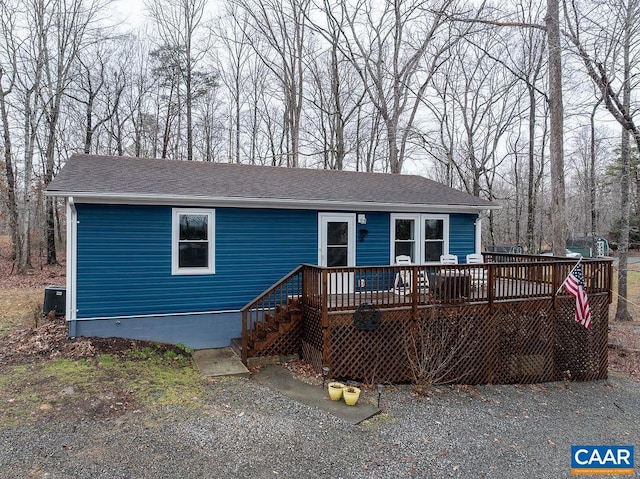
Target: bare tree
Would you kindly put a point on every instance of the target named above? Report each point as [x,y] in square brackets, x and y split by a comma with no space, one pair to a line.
[178,22]
[487,104]
[67,34]
[95,81]
[396,50]
[556,130]
[337,92]
[606,56]
[278,35]
[8,74]
[232,63]
[556,112]
[527,61]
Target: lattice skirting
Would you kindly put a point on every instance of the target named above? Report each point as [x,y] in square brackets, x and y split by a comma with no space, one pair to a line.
[515,342]
[312,355]
[286,344]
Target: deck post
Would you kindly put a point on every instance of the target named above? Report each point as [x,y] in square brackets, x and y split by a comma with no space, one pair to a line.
[324,305]
[414,293]
[554,284]
[609,281]
[490,285]
[245,337]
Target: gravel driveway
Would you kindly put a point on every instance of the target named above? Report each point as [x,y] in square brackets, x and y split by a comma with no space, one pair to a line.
[247,430]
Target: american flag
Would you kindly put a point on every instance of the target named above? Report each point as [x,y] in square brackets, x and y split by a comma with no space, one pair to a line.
[574,284]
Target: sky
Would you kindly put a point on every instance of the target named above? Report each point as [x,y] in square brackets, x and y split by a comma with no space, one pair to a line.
[130,12]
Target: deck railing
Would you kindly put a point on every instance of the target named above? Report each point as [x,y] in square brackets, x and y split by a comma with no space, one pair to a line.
[506,320]
[267,303]
[324,296]
[502,277]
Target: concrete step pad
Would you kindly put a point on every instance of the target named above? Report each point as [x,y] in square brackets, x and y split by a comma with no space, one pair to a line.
[219,362]
[283,381]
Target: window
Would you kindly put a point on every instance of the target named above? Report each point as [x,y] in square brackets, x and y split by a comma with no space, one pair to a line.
[337,243]
[433,239]
[422,237]
[193,241]
[405,238]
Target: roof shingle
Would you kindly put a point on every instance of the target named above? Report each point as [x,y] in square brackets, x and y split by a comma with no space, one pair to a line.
[92,175]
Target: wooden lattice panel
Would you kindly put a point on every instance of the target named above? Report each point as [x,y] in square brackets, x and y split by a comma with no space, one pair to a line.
[286,344]
[581,353]
[511,342]
[370,356]
[523,347]
[312,355]
[453,346]
[312,327]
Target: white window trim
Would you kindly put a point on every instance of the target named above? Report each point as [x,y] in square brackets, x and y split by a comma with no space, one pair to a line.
[419,233]
[416,231]
[175,236]
[445,233]
[322,238]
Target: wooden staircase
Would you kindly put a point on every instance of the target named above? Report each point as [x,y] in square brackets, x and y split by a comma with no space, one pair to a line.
[272,323]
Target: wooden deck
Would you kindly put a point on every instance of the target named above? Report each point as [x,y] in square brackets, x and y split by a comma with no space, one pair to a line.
[507,320]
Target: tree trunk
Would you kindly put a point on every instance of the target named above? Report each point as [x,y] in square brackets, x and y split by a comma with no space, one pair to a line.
[12,206]
[592,174]
[189,101]
[622,311]
[49,171]
[556,153]
[51,231]
[531,191]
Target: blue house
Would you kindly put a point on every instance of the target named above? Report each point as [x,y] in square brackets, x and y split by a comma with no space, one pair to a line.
[172,251]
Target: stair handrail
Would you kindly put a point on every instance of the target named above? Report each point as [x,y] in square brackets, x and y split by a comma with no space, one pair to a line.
[254,302]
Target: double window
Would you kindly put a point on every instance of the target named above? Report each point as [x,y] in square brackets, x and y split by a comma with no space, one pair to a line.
[421,237]
[193,241]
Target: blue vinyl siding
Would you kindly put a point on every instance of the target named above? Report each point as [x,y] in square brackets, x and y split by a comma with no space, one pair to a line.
[124,256]
[373,250]
[124,259]
[462,235]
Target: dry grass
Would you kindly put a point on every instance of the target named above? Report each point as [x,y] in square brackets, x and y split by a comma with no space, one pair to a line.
[20,309]
[633,293]
[21,296]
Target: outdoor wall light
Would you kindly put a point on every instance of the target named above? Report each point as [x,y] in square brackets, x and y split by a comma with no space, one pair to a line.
[380,388]
[363,233]
[325,373]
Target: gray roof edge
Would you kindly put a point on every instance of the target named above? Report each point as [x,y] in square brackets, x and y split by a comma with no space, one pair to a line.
[116,198]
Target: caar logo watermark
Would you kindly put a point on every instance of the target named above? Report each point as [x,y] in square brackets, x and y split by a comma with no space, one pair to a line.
[602,460]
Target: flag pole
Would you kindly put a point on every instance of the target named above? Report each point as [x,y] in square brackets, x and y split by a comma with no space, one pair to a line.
[567,276]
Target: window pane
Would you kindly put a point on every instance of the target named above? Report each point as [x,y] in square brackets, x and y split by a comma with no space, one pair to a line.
[337,233]
[193,255]
[405,229]
[336,256]
[193,227]
[434,229]
[404,248]
[433,250]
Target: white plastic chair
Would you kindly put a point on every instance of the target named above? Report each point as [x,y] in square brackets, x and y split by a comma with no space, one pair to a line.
[478,275]
[475,258]
[448,259]
[403,281]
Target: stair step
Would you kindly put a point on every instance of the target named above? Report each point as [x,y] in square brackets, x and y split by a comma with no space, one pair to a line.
[275,322]
[236,345]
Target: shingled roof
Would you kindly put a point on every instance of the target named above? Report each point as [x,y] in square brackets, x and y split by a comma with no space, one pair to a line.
[118,179]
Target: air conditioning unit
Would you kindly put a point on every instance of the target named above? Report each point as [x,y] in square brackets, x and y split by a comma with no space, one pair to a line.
[55,299]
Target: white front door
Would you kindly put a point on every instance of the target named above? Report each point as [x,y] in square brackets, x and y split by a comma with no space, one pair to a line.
[337,248]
